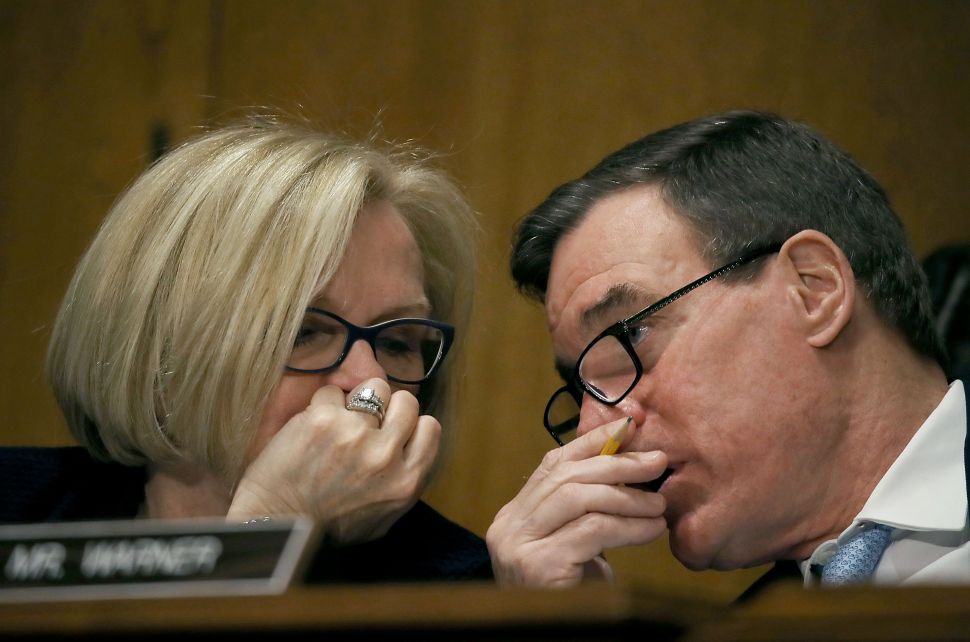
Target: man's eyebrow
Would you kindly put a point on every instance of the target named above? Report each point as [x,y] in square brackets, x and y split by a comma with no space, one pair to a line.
[621,294]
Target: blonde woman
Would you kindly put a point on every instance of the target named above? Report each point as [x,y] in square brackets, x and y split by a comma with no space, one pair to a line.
[260,328]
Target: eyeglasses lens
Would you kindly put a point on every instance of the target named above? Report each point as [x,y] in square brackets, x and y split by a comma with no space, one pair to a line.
[562,416]
[608,368]
[319,343]
[406,351]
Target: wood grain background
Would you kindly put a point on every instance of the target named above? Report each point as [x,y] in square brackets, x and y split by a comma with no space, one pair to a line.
[519,95]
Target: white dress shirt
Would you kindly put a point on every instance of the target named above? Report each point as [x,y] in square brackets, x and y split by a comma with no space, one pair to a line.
[923,497]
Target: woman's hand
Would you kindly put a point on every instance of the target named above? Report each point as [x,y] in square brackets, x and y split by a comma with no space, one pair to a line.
[573,508]
[354,474]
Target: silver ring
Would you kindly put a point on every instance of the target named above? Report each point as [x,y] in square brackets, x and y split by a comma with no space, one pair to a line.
[367,400]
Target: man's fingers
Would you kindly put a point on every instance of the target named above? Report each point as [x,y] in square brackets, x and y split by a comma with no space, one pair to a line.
[562,559]
[586,537]
[625,468]
[591,444]
[587,446]
[571,501]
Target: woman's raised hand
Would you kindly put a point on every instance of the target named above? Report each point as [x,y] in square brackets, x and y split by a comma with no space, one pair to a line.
[352,472]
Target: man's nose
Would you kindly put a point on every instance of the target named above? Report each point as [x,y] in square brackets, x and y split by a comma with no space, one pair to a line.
[359,365]
[593,414]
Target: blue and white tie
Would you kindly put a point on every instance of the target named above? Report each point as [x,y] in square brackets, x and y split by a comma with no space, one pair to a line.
[856,560]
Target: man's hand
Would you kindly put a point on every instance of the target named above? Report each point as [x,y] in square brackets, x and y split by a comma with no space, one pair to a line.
[573,508]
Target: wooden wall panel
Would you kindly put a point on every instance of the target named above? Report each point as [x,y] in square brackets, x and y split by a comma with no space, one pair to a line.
[519,95]
[85,84]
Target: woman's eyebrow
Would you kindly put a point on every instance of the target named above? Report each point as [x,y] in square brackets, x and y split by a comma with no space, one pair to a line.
[409,310]
[420,308]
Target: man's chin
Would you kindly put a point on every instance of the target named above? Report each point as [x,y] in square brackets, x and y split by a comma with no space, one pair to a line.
[700,553]
[691,559]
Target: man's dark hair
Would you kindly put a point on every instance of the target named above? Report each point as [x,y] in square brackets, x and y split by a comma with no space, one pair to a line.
[742,180]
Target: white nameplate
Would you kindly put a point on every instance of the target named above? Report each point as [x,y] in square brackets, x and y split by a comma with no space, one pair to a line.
[150,558]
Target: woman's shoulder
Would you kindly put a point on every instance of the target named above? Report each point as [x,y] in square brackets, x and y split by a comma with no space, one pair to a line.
[423,545]
[65,484]
[447,544]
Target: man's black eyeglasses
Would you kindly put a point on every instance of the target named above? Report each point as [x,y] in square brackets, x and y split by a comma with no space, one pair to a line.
[609,368]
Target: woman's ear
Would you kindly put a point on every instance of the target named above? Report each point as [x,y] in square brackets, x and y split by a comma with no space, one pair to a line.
[822,285]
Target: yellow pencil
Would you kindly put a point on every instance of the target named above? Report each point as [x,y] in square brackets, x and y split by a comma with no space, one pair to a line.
[613,443]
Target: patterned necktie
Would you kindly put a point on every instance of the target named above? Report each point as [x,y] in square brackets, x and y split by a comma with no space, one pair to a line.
[856,560]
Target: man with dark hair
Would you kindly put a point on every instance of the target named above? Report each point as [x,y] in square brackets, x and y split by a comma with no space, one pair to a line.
[792,408]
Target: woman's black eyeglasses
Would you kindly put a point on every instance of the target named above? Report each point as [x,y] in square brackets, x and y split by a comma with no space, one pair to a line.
[409,350]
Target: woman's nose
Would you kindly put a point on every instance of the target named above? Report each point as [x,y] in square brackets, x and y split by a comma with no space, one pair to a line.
[359,365]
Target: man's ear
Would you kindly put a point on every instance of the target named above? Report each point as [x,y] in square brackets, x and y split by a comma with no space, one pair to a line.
[822,285]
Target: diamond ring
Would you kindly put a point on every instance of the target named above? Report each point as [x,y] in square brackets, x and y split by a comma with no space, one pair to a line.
[366,400]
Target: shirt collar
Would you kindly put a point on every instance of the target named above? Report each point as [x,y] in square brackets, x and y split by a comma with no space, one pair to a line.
[916,493]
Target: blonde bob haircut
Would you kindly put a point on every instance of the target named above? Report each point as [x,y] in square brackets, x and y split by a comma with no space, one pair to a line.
[181,314]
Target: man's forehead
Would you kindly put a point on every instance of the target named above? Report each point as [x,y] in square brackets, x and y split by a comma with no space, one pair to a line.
[603,298]
[629,244]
